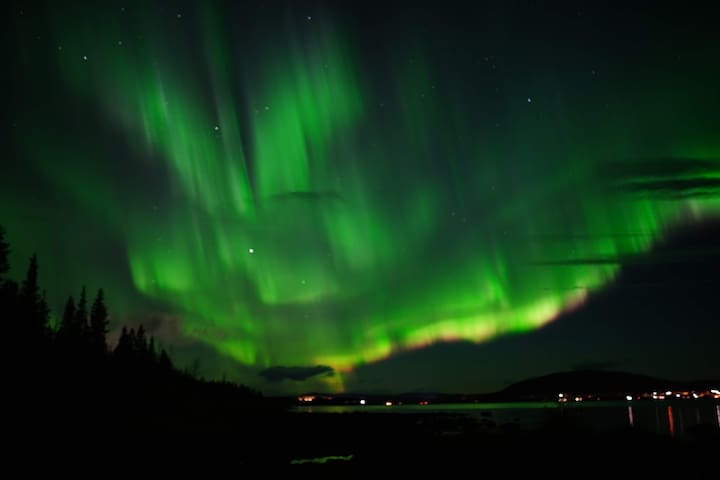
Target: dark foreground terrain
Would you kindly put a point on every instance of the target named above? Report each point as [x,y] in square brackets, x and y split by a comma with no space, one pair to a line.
[117,435]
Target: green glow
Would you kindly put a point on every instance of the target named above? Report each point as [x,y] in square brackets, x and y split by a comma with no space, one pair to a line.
[290,209]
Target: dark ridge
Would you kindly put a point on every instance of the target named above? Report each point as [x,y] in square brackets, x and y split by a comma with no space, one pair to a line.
[586,381]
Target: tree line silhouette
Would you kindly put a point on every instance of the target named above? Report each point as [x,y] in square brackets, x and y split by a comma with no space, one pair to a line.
[74,354]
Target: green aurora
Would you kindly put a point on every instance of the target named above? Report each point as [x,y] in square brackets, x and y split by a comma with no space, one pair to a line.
[294,196]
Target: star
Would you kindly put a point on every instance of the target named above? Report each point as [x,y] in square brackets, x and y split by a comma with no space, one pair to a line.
[309,17]
[217,128]
[251,250]
[529,100]
[85,57]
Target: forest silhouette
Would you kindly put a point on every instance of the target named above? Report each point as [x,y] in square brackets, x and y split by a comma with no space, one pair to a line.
[79,404]
[75,352]
[76,401]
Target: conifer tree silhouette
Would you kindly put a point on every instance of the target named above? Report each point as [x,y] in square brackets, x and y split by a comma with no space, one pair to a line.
[165,362]
[4,253]
[124,347]
[152,354]
[33,308]
[99,322]
[67,322]
[81,314]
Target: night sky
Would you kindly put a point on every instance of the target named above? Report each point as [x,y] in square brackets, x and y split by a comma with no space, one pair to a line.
[343,196]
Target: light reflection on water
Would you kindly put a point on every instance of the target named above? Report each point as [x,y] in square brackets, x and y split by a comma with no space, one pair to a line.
[674,419]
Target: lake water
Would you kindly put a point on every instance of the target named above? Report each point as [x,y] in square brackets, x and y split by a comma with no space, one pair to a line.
[667,418]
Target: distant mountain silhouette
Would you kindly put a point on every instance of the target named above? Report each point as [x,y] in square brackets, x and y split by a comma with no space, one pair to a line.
[596,381]
[605,382]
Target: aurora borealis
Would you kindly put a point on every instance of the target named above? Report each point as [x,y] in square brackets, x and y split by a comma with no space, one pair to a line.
[294,184]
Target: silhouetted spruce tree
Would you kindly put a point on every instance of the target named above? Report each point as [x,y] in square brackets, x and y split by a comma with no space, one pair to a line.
[70,342]
[133,355]
[33,309]
[9,295]
[8,292]
[165,362]
[4,253]
[81,314]
[45,313]
[13,326]
[67,322]
[99,323]
[33,335]
[152,355]
[140,343]
[124,345]
[30,292]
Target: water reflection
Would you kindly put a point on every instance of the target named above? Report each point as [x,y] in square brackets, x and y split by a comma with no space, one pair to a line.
[673,419]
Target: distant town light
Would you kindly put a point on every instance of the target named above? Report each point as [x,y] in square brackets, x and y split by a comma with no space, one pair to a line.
[578,399]
[715,391]
[695,395]
[560,395]
[362,402]
[628,397]
[388,404]
[668,392]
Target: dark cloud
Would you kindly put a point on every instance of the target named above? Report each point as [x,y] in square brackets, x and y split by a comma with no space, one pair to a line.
[298,374]
[307,195]
[562,237]
[580,261]
[660,257]
[671,177]
[666,167]
[675,188]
